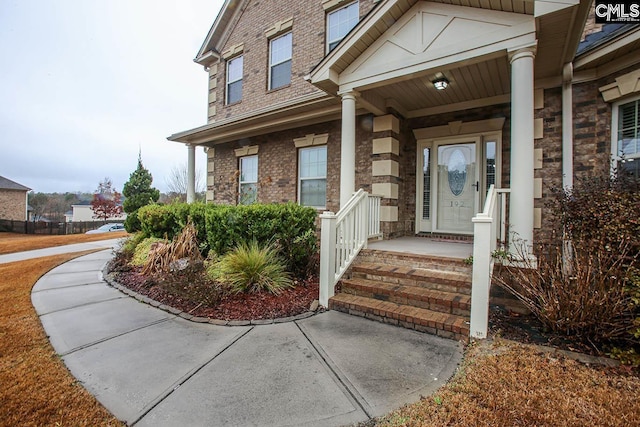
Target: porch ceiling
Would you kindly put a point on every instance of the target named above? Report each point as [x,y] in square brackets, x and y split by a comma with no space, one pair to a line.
[485,80]
[471,50]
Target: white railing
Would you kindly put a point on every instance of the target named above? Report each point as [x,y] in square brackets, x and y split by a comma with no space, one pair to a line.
[342,237]
[488,226]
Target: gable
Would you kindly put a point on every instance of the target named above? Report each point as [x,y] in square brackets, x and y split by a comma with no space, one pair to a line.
[432,35]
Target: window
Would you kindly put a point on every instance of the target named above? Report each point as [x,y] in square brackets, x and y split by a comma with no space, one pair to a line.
[490,163]
[280,61]
[426,183]
[627,138]
[340,22]
[234,80]
[312,172]
[248,180]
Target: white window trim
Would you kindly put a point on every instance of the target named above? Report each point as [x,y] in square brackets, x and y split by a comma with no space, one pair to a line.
[300,179]
[228,82]
[281,62]
[241,182]
[615,154]
[331,12]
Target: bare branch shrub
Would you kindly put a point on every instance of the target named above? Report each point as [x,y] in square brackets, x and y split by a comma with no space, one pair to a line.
[583,296]
[184,245]
[586,284]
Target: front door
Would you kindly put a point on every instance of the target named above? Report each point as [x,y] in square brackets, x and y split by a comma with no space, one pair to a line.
[452,178]
[457,179]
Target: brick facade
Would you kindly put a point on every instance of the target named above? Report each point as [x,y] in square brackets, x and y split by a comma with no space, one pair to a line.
[309,47]
[278,158]
[278,164]
[13,205]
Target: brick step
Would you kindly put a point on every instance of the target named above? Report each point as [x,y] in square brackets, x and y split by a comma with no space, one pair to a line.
[434,300]
[446,281]
[413,260]
[420,319]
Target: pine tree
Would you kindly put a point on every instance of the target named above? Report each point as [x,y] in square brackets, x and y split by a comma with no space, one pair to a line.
[138,192]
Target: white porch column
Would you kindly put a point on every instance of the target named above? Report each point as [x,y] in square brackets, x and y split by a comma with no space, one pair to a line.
[191,173]
[521,201]
[348,147]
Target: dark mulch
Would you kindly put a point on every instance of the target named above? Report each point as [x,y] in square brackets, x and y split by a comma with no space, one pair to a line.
[196,295]
[529,330]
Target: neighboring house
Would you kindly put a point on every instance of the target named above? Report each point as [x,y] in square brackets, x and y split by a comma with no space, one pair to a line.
[13,200]
[426,103]
[84,212]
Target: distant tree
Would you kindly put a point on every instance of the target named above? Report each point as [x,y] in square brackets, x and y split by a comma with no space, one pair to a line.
[177,183]
[138,192]
[106,201]
[38,202]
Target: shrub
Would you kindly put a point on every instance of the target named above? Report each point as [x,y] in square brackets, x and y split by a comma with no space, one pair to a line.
[290,227]
[584,295]
[586,285]
[167,221]
[130,243]
[143,249]
[252,268]
[183,246]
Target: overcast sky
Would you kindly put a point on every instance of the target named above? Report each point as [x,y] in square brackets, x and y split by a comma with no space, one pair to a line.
[85,83]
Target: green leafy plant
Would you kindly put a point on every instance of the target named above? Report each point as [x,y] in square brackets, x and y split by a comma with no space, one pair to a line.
[468,260]
[252,268]
[501,255]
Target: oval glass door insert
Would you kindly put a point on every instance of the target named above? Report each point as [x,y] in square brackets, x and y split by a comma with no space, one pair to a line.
[457,168]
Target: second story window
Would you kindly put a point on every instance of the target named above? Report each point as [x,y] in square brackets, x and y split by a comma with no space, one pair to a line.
[234,80]
[248,180]
[280,61]
[340,22]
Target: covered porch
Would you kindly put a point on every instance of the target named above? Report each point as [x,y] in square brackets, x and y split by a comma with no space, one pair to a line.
[454,90]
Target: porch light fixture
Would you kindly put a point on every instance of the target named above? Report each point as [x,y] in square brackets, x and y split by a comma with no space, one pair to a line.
[441,83]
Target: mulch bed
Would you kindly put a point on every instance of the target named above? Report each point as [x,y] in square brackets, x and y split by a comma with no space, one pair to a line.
[255,306]
[528,329]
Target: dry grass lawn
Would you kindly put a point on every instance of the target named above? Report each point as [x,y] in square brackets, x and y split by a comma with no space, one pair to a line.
[37,389]
[505,384]
[12,242]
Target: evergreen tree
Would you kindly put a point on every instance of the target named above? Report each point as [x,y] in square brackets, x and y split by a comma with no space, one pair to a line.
[138,192]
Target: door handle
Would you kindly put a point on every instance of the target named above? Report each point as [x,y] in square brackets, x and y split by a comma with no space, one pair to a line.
[477,185]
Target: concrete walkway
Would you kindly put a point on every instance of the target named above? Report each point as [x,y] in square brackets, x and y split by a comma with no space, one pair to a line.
[57,250]
[151,368]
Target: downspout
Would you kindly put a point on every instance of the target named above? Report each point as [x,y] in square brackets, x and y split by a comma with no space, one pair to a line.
[567,126]
[567,153]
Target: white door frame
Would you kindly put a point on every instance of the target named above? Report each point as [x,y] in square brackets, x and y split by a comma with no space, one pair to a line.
[481,140]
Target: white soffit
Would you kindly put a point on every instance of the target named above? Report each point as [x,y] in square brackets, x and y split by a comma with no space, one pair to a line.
[432,35]
[542,7]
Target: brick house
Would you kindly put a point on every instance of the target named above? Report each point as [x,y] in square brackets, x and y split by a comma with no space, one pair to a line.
[13,200]
[428,104]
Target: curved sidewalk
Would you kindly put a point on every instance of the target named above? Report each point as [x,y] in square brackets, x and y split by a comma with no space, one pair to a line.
[151,368]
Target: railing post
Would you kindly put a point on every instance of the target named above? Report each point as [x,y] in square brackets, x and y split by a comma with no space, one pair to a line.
[481,279]
[327,256]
